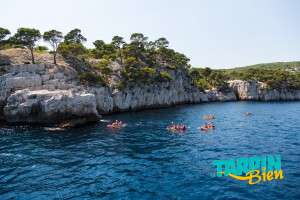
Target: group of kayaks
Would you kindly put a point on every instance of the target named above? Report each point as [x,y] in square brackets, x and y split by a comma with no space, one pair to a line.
[177,127]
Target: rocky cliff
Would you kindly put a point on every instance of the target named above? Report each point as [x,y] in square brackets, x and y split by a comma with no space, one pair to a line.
[253,90]
[44,93]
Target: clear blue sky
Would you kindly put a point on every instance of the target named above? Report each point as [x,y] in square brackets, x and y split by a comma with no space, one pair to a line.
[214,33]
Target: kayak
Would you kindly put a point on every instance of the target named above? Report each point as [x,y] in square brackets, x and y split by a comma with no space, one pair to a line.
[173,129]
[113,126]
[202,128]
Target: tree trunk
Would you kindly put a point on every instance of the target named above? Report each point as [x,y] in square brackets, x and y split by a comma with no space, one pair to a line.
[54,58]
[121,56]
[32,56]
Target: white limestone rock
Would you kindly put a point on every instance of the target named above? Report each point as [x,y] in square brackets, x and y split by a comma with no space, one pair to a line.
[44,106]
[215,95]
[254,90]
[104,100]
[11,82]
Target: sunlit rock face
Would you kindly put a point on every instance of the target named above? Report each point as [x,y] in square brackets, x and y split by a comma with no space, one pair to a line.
[46,93]
[104,99]
[254,90]
[44,106]
[177,91]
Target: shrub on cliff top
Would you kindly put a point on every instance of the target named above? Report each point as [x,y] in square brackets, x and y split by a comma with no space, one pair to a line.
[145,75]
[91,78]
[147,72]
[71,49]
[103,50]
[103,67]
[72,45]
[206,78]
[172,59]
[165,76]
[202,84]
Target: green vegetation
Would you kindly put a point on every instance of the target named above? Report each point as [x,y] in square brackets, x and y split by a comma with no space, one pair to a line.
[276,78]
[141,61]
[75,36]
[27,37]
[206,78]
[71,49]
[54,38]
[102,50]
[103,67]
[41,49]
[3,34]
[165,76]
[72,45]
[91,78]
[275,65]
[275,75]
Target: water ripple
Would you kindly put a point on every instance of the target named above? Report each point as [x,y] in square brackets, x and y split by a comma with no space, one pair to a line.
[144,161]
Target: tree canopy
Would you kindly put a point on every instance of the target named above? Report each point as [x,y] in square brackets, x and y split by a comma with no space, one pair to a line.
[161,43]
[145,61]
[54,38]
[27,37]
[75,36]
[117,42]
[279,77]
[3,33]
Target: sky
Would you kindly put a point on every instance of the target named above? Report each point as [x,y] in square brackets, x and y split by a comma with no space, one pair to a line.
[212,33]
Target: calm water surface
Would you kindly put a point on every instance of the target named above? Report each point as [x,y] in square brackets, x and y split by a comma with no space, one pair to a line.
[144,161]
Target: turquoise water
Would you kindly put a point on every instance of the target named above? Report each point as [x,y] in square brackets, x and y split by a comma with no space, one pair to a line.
[144,161]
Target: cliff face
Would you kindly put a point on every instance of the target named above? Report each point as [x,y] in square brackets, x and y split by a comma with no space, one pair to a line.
[253,90]
[45,93]
[178,91]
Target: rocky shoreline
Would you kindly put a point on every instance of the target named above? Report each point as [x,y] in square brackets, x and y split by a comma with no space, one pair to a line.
[47,93]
